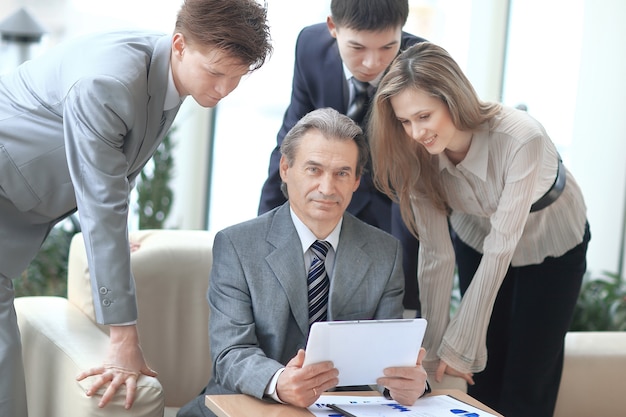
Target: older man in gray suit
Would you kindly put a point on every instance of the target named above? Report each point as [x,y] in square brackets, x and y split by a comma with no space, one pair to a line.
[260,301]
[77,125]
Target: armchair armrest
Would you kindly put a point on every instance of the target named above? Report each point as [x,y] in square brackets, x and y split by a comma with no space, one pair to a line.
[59,341]
[171,270]
[60,337]
[593,375]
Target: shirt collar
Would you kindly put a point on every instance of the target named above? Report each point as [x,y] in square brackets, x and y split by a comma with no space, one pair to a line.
[307,237]
[374,83]
[477,159]
[172,97]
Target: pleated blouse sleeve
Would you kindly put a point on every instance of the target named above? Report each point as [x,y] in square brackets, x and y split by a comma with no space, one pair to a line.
[512,180]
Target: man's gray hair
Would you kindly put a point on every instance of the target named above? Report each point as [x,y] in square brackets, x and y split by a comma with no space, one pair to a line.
[333,126]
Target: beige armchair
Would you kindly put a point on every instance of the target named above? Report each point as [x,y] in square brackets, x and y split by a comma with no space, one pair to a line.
[593,375]
[60,337]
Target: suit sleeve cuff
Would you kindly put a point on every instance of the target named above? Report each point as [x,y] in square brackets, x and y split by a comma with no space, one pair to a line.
[427,390]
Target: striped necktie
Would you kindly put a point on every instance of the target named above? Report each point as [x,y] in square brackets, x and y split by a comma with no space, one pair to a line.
[318,282]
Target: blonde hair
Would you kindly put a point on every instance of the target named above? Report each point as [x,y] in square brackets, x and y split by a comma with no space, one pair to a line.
[401,166]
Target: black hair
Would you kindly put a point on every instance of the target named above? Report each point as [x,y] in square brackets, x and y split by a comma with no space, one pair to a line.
[372,15]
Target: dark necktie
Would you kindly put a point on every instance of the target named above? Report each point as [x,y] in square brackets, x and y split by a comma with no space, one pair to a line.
[318,282]
[358,106]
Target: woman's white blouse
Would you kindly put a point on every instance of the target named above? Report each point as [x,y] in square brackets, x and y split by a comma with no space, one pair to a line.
[511,163]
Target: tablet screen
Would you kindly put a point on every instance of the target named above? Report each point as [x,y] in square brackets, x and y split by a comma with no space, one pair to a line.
[360,350]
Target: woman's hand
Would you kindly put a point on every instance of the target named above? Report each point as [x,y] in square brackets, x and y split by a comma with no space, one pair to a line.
[444,368]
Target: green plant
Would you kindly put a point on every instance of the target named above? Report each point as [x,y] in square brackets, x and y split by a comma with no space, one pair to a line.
[154,193]
[455,298]
[601,305]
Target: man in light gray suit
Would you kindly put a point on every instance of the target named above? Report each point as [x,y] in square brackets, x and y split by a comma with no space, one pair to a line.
[258,295]
[77,125]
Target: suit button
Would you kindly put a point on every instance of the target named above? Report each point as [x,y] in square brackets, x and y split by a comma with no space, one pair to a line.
[106,302]
[104,290]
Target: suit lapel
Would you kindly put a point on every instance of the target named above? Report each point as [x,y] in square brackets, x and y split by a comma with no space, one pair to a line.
[332,84]
[351,266]
[157,82]
[287,263]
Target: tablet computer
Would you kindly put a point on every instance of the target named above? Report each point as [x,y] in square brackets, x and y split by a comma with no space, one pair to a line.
[360,350]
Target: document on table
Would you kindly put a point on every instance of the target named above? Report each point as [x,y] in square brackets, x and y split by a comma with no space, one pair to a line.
[433,406]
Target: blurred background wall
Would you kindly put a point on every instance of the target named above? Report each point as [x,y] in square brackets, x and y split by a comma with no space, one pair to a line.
[563,59]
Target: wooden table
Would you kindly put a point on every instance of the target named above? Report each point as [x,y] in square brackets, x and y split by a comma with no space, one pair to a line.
[240,405]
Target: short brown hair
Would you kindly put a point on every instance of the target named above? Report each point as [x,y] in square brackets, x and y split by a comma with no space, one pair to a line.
[238,27]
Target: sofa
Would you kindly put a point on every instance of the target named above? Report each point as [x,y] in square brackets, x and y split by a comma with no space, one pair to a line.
[171,268]
[60,337]
[592,384]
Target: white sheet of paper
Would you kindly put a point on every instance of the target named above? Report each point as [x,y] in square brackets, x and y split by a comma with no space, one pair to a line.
[360,350]
[433,406]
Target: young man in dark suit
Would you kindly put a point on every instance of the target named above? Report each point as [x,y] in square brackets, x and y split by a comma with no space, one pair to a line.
[359,40]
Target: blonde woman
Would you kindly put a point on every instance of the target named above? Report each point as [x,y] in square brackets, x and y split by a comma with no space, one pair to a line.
[483,181]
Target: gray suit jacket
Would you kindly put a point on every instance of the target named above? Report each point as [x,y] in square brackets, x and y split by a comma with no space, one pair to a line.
[258,294]
[77,125]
